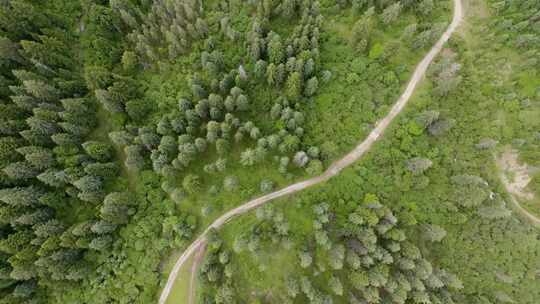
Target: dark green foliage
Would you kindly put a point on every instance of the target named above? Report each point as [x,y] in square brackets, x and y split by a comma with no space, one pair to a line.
[174,99]
[103,170]
[117,207]
[134,159]
[137,109]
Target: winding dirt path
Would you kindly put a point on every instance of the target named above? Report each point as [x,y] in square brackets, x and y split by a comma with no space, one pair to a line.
[199,255]
[336,167]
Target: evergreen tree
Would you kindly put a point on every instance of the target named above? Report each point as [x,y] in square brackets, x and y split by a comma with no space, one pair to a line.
[248,157]
[101,243]
[294,86]
[433,233]
[134,159]
[41,90]
[117,207]
[20,171]
[336,286]
[391,13]
[109,102]
[41,159]
[275,49]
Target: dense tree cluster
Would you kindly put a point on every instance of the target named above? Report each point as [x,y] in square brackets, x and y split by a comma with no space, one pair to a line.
[49,165]
[518,26]
[212,117]
[387,12]
[217,270]
[373,260]
[162,29]
[365,257]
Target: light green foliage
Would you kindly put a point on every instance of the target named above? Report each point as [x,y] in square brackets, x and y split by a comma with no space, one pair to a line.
[191,183]
[454,196]
[98,150]
[219,94]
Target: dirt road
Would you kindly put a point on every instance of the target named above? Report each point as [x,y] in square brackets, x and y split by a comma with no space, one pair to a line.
[199,255]
[337,166]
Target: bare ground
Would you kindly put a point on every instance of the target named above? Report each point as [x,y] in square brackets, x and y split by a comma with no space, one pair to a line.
[515,178]
[515,175]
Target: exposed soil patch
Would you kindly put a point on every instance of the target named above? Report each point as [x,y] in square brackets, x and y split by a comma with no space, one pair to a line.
[516,176]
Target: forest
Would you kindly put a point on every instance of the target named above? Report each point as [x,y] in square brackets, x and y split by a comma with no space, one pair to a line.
[129,126]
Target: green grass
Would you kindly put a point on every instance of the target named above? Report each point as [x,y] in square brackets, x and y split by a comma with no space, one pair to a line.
[180,292]
[532,206]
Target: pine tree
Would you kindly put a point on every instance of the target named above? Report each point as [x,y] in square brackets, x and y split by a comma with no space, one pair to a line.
[271,75]
[103,227]
[391,13]
[103,170]
[311,87]
[101,243]
[433,233]
[75,129]
[301,159]
[41,90]
[275,49]
[427,118]
[248,158]
[89,183]
[266,186]
[260,69]
[293,289]
[9,50]
[148,138]
[20,170]
[42,126]
[117,207]
[294,86]
[41,159]
[137,109]
[50,228]
[109,102]
[17,241]
[418,165]
[337,256]
[36,216]
[25,289]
